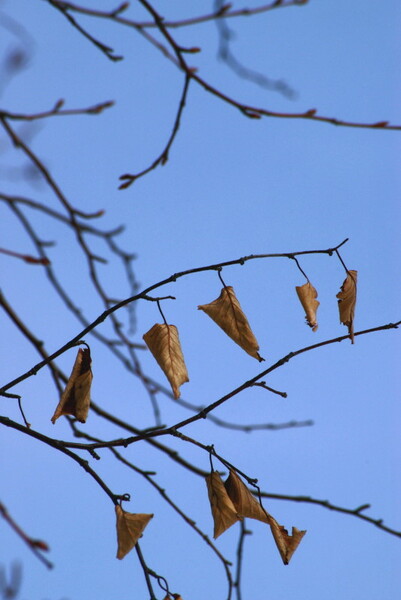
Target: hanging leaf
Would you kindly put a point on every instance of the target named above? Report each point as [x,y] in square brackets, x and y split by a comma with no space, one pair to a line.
[75,400]
[223,510]
[130,527]
[226,311]
[286,544]
[346,302]
[307,295]
[245,503]
[164,344]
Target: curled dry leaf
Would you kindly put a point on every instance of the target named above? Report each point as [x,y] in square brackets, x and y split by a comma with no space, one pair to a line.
[307,295]
[130,527]
[75,399]
[347,300]
[286,544]
[226,311]
[232,501]
[223,510]
[163,342]
[245,503]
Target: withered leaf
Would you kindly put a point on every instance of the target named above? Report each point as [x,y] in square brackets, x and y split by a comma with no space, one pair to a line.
[223,510]
[307,295]
[286,544]
[75,400]
[163,342]
[246,505]
[347,300]
[129,529]
[226,311]
[244,502]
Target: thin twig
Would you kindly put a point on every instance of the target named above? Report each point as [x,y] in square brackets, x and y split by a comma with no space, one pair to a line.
[223,13]
[240,556]
[202,415]
[107,51]
[128,179]
[146,291]
[146,571]
[61,448]
[178,510]
[38,344]
[176,57]
[57,111]
[355,512]
[270,389]
[225,54]
[36,546]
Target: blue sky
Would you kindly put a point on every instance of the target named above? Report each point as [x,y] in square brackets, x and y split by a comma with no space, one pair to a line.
[232,187]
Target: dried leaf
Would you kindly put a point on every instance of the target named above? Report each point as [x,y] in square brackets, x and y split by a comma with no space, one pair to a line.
[223,510]
[246,505]
[244,502]
[347,300]
[226,311]
[164,344]
[307,295]
[75,400]
[129,529]
[286,544]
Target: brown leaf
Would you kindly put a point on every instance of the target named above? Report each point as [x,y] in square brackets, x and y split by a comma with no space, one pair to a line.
[164,344]
[226,311]
[244,502]
[307,295]
[347,300]
[286,544]
[129,529]
[246,505]
[75,400]
[223,510]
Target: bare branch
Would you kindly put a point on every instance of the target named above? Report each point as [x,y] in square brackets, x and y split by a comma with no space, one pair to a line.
[61,448]
[163,157]
[57,111]
[202,415]
[253,112]
[223,12]
[355,512]
[36,546]
[145,293]
[107,51]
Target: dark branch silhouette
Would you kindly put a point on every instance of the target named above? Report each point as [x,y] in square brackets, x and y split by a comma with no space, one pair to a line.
[100,248]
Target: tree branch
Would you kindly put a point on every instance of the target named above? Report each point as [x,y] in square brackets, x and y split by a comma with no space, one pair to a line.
[146,291]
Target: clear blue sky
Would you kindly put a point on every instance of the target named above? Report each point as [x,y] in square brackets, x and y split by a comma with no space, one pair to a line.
[232,187]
